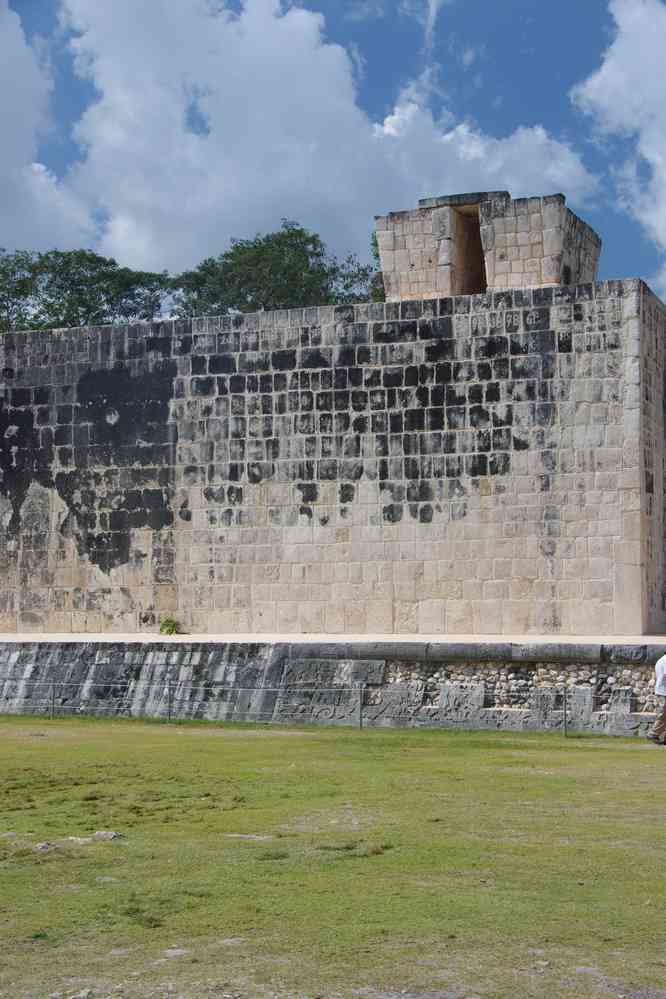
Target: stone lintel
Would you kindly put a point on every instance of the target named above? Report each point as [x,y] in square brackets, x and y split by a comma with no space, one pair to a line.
[462,200]
[160,648]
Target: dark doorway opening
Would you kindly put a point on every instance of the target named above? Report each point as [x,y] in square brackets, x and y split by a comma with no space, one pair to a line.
[470,271]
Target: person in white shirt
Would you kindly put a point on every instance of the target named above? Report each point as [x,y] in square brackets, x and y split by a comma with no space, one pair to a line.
[658,733]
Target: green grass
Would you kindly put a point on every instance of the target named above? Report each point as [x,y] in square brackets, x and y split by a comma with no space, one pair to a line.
[304,862]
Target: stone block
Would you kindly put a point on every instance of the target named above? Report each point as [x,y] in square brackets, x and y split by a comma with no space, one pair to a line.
[323,650]
[620,701]
[462,703]
[469,651]
[431,618]
[556,651]
[628,599]
[459,617]
[552,215]
[618,653]
[543,708]
[517,616]
[580,703]
[397,648]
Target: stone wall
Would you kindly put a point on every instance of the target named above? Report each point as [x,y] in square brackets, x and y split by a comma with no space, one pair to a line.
[646,520]
[464,465]
[609,689]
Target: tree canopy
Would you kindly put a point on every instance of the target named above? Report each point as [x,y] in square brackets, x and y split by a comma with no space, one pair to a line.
[74,288]
[17,284]
[288,268]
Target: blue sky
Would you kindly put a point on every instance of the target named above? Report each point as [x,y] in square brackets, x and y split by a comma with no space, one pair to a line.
[155,132]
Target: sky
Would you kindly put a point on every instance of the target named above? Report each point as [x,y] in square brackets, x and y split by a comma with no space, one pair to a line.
[155,132]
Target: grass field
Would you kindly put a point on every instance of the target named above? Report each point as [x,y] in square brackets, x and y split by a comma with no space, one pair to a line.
[329,862]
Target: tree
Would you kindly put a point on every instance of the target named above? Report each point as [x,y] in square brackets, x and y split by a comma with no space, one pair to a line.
[17,285]
[288,268]
[74,288]
[81,288]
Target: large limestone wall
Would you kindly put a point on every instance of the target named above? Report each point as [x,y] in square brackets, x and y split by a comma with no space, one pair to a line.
[450,465]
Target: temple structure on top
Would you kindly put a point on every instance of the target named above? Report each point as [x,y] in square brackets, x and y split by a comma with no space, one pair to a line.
[463,244]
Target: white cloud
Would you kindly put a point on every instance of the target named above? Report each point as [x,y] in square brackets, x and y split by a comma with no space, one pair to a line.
[365,10]
[211,124]
[426,13]
[432,13]
[359,61]
[36,211]
[528,161]
[626,98]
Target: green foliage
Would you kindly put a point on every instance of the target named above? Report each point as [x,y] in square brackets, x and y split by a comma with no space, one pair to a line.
[81,288]
[289,268]
[74,288]
[17,289]
[169,626]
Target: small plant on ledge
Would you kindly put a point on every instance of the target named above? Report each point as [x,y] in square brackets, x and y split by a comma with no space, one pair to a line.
[169,626]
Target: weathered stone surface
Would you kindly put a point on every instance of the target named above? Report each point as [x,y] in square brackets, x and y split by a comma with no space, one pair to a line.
[548,652]
[625,653]
[320,650]
[461,702]
[332,672]
[260,682]
[581,706]
[400,648]
[471,243]
[487,464]
[467,650]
